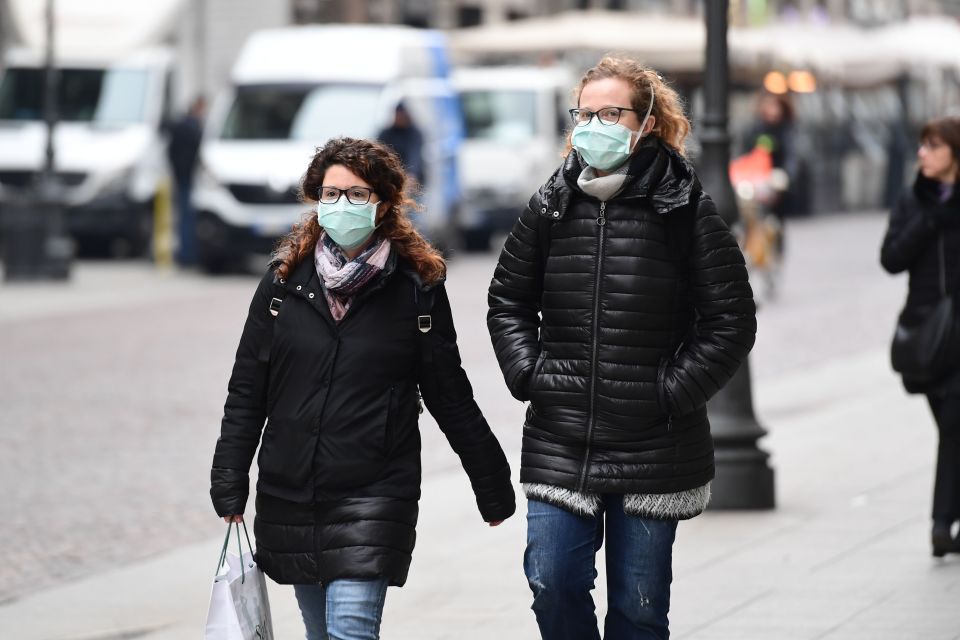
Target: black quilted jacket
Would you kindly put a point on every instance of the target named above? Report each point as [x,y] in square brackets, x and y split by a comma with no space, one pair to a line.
[646,313]
[339,461]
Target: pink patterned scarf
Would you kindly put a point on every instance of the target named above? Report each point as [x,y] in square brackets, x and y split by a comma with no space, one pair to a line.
[344,278]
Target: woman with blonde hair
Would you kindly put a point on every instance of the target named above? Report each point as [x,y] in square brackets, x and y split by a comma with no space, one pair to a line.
[619,306]
[349,327]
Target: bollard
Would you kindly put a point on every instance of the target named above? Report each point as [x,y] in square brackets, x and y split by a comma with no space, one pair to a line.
[163,226]
[34,245]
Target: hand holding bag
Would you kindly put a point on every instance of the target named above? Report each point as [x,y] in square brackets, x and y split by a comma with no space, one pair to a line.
[925,352]
[239,609]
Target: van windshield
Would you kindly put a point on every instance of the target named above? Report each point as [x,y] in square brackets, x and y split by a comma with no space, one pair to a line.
[302,113]
[499,115]
[102,96]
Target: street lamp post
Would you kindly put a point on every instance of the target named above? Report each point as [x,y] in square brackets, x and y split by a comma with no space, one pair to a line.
[744,477]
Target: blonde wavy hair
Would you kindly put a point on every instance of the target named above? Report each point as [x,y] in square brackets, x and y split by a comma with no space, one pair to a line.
[671,124]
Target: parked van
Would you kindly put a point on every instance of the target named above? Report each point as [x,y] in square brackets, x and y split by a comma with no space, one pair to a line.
[515,119]
[291,90]
[108,144]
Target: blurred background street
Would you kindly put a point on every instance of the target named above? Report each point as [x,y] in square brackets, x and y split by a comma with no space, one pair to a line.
[151,155]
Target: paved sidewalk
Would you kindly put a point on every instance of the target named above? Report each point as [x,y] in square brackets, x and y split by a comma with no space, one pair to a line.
[845,555]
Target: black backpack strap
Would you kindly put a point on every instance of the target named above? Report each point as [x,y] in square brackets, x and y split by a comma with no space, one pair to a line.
[275,303]
[424,299]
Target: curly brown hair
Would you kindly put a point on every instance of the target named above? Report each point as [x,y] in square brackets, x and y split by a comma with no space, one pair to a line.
[381,168]
[671,124]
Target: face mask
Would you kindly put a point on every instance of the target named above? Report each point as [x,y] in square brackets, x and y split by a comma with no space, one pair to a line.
[606,146]
[348,224]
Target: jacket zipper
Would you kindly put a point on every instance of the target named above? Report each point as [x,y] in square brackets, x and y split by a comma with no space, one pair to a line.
[591,417]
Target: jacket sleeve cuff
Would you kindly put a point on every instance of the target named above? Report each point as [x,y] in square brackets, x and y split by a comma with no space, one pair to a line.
[495,496]
[520,385]
[229,489]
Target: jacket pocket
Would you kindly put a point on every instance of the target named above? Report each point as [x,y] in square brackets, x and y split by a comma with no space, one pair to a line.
[531,379]
[662,386]
[286,453]
[389,427]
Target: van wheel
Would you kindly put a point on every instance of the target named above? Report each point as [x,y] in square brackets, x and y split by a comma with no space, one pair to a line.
[141,238]
[476,238]
[214,264]
[212,261]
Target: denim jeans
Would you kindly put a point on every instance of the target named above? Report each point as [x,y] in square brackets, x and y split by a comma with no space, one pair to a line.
[560,563]
[342,610]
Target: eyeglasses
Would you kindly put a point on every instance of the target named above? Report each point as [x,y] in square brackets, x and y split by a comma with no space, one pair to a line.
[355,195]
[607,115]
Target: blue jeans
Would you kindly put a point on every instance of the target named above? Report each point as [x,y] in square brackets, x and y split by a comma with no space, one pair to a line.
[560,563]
[186,226]
[342,610]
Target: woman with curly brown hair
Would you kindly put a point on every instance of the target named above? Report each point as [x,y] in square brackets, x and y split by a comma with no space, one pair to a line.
[619,307]
[348,329]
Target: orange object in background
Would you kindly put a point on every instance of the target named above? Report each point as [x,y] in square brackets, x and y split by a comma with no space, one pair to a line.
[754,167]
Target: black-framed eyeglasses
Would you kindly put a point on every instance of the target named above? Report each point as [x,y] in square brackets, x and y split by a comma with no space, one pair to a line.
[606,115]
[355,195]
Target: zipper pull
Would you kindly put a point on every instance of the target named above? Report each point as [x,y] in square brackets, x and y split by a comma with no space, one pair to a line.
[602,219]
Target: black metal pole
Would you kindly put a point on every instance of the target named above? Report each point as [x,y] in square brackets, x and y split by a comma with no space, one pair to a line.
[744,477]
[35,246]
[49,97]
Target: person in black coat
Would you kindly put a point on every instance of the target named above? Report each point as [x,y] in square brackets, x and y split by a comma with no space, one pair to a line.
[619,306]
[405,138]
[923,239]
[183,151]
[346,332]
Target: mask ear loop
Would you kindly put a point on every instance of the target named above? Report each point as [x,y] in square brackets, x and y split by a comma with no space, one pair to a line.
[643,124]
[646,116]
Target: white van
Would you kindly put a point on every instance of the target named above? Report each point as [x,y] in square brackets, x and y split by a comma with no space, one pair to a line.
[108,144]
[515,119]
[291,90]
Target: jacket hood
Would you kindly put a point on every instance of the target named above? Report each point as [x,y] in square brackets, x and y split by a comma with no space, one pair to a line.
[657,172]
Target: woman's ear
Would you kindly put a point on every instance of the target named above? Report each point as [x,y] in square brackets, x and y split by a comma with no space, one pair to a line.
[651,123]
[383,209]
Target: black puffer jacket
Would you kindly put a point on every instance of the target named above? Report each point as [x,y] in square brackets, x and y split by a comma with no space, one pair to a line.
[339,463]
[646,313]
[912,244]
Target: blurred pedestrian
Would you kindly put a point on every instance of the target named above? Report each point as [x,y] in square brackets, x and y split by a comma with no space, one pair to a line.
[405,138]
[923,239]
[348,328]
[183,148]
[775,131]
[619,306]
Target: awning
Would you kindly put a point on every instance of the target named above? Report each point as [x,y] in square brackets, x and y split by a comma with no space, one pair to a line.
[665,42]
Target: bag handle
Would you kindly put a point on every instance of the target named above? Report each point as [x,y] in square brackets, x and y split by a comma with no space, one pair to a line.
[223,551]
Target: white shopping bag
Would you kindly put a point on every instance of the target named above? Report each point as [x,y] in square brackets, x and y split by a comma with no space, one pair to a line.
[239,609]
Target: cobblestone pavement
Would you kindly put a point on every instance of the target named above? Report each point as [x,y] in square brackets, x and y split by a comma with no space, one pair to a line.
[111,390]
